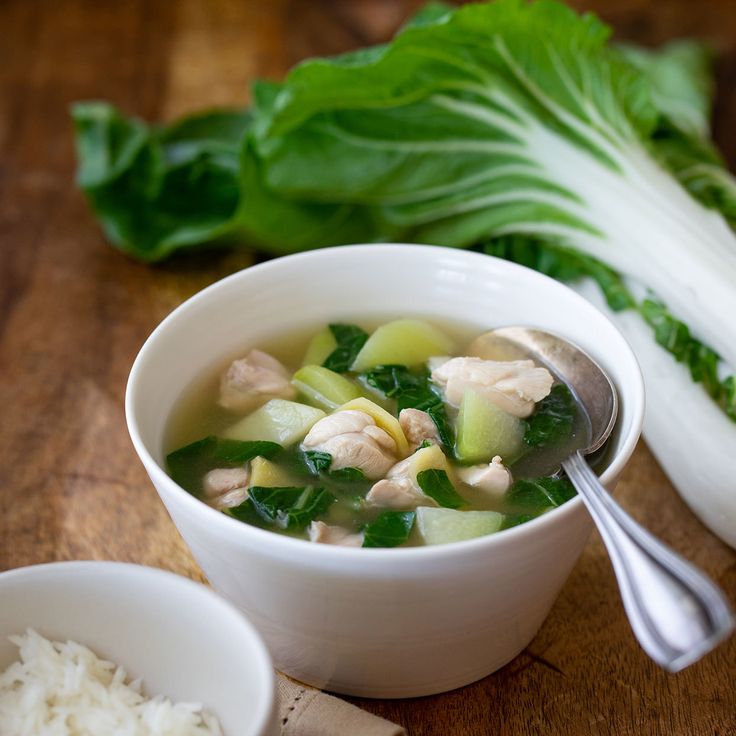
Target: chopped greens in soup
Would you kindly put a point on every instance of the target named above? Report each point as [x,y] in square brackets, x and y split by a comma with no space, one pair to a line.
[390,438]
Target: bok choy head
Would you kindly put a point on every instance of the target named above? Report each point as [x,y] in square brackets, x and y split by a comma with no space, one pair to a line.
[504,118]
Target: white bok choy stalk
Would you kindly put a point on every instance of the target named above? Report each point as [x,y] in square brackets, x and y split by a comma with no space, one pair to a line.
[690,436]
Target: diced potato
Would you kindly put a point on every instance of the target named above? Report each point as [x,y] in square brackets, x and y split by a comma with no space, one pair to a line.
[407,342]
[441,526]
[324,388]
[278,420]
[383,419]
[484,430]
[269,475]
[319,348]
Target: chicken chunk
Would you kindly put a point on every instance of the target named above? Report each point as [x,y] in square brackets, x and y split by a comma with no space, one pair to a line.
[436,361]
[353,440]
[322,533]
[494,478]
[418,427]
[231,499]
[397,493]
[222,480]
[251,381]
[348,421]
[514,386]
[226,487]
[398,490]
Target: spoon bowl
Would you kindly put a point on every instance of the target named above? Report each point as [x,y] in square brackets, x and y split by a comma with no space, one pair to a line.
[676,612]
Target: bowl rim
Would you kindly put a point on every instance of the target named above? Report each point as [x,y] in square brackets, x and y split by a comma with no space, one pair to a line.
[301,550]
[258,655]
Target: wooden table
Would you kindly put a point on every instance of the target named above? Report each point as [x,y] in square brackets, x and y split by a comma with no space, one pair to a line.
[74,313]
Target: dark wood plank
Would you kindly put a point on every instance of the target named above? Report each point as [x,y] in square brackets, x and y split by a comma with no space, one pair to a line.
[73,313]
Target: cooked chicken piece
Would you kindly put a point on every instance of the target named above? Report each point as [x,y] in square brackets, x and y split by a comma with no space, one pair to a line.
[418,427]
[341,422]
[222,480]
[251,381]
[436,361]
[322,533]
[381,436]
[514,386]
[494,478]
[353,440]
[398,490]
[397,493]
[231,498]
[226,487]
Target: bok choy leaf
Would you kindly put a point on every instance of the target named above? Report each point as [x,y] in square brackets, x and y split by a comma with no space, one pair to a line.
[158,189]
[500,118]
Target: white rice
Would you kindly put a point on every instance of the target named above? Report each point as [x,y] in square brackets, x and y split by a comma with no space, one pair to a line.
[61,689]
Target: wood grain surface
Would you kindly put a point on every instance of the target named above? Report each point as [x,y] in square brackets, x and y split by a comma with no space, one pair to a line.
[73,313]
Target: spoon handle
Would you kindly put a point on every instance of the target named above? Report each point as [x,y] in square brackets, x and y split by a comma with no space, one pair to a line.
[677,613]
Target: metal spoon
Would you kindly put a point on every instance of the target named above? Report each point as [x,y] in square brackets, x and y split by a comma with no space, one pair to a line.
[677,613]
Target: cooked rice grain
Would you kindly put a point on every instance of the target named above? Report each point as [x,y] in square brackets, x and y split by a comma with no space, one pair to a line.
[61,689]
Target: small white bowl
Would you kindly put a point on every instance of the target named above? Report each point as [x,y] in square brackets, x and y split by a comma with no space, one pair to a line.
[377,622]
[181,638]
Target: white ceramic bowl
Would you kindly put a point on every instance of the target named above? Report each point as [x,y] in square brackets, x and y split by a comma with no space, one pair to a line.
[377,622]
[181,638]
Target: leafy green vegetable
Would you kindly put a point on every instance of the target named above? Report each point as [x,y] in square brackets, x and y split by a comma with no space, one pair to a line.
[317,462]
[388,529]
[435,484]
[350,339]
[540,492]
[348,475]
[290,508]
[236,452]
[675,337]
[188,465]
[431,13]
[680,80]
[512,520]
[247,513]
[157,189]
[552,420]
[412,390]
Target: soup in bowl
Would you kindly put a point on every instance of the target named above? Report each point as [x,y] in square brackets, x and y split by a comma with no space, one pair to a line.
[407,434]
[436,611]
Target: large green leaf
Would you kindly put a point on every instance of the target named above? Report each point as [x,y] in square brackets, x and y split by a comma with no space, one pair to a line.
[427,138]
[680,77]
[499,118]
[435,131]
[511,117]
[159,189]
